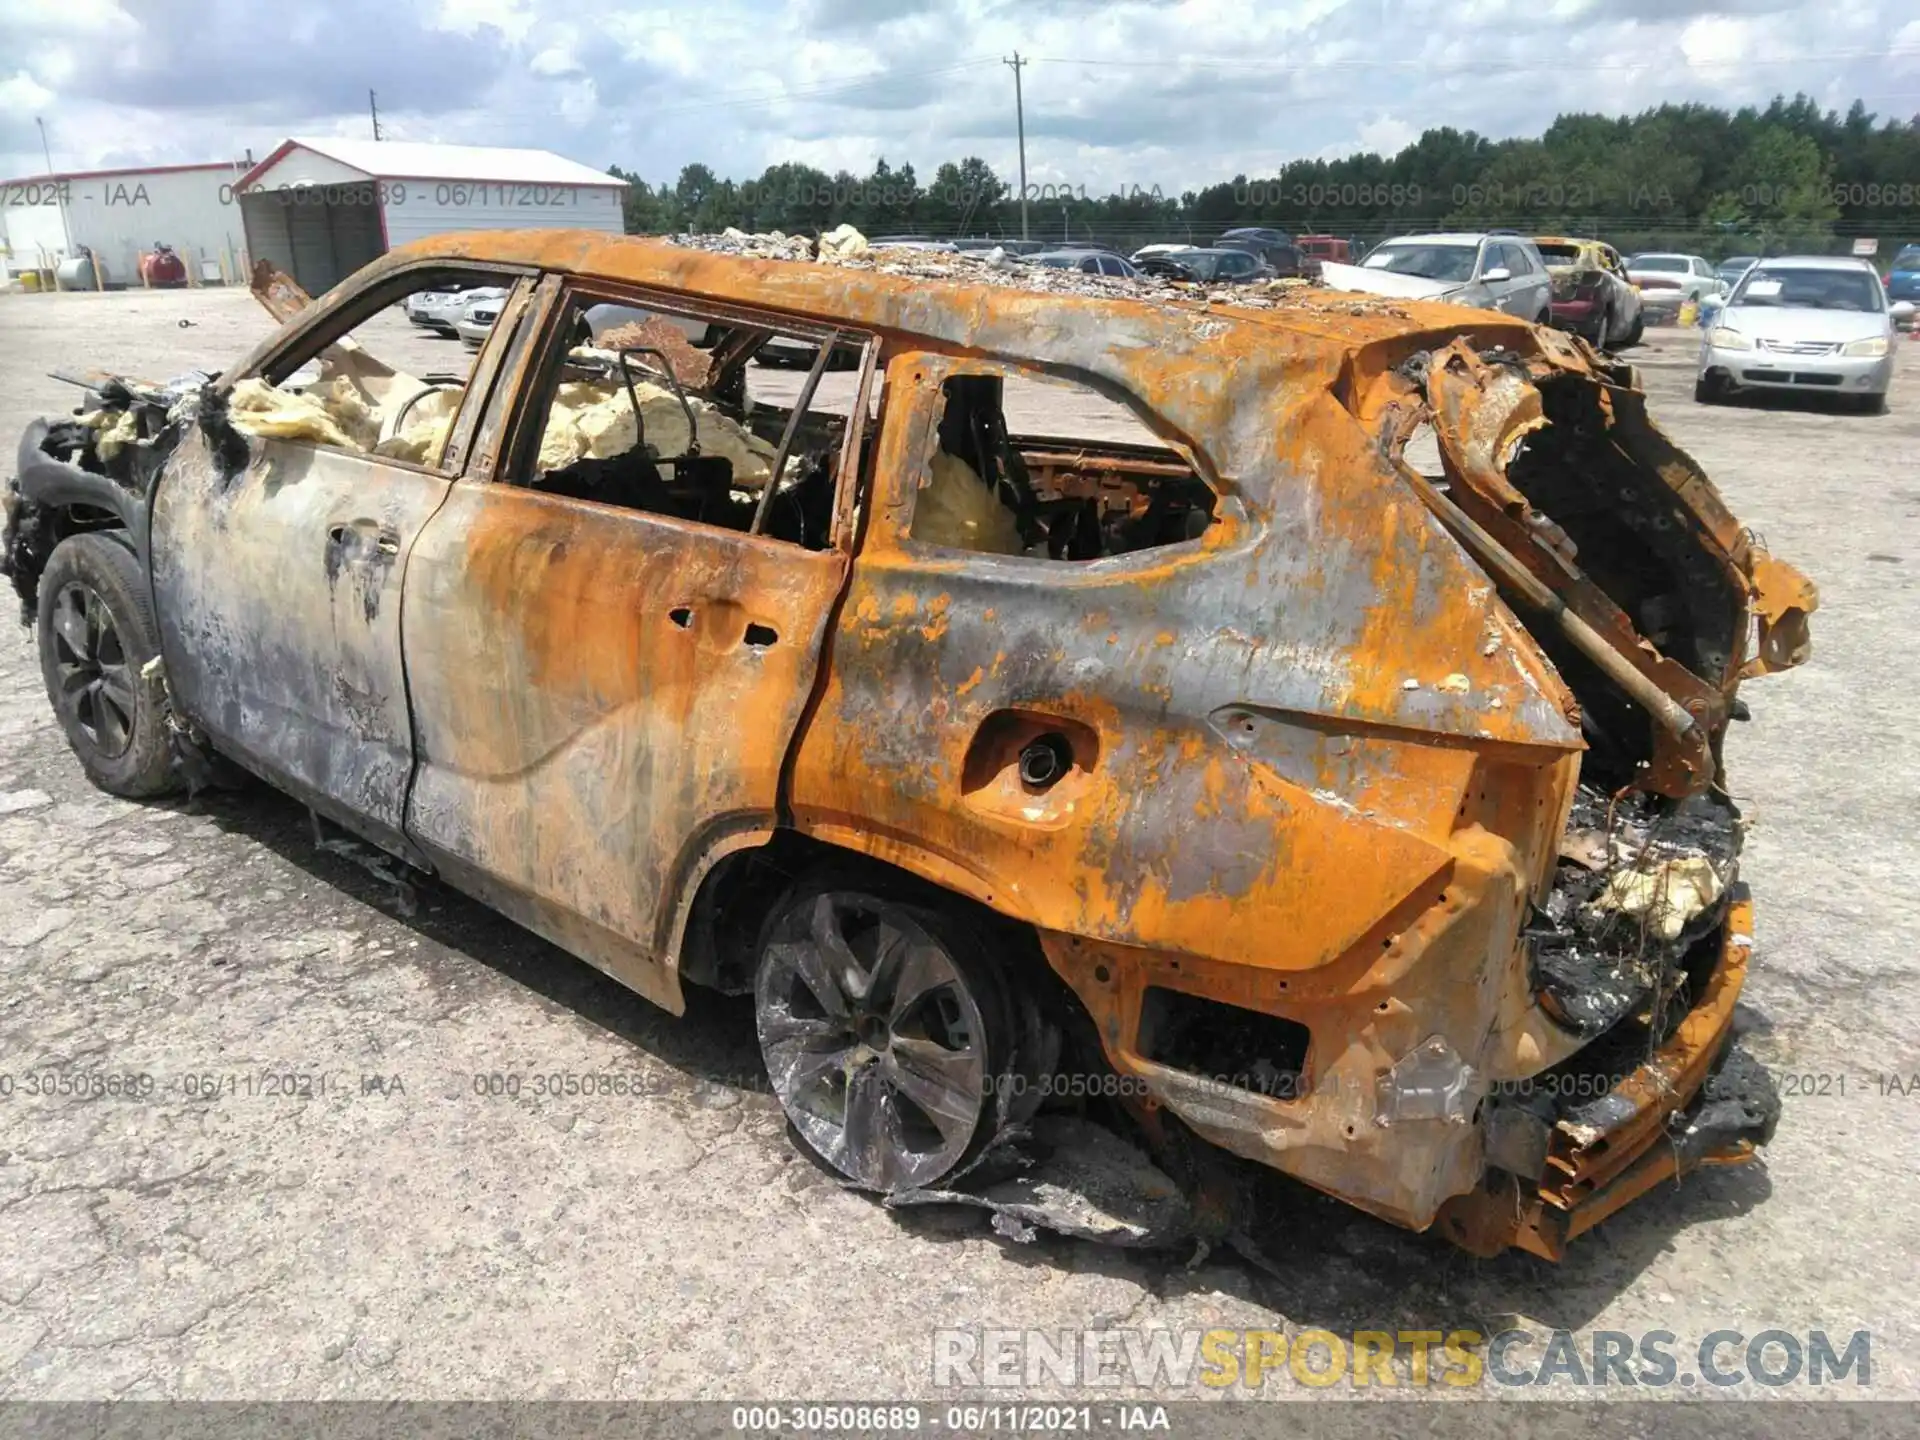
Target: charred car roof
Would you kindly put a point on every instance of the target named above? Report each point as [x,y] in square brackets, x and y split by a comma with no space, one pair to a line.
[961,299]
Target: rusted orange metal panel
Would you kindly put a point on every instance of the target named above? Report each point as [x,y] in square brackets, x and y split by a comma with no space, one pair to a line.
[594,720]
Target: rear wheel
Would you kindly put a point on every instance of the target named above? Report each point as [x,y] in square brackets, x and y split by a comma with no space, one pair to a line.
[1638,330]
[886,1027]
[97,633]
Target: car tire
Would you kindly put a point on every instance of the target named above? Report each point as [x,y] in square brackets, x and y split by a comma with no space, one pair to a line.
[1602,330]
[887,1026]
[1871,404]
[1637,332]
[1708,392]
[97,633]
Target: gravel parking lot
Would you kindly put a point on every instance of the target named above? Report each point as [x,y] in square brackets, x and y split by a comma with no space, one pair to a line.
[390,1229]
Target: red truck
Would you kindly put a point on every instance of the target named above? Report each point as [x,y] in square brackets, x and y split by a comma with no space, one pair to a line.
[1316,248]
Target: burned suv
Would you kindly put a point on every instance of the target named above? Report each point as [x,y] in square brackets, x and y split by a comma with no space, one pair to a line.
[1322,763]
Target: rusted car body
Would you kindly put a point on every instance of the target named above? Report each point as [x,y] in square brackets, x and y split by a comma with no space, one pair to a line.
[1352,810]
[1592,295]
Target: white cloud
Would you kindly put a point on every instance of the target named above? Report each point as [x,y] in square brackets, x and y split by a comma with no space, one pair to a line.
[73,19]
[21,94]
[1714,43]
[512,18]
[555,60]
[1388,135]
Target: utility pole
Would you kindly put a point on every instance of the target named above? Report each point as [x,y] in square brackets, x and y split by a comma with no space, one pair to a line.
[374,109]
[66,230]
[1020,120]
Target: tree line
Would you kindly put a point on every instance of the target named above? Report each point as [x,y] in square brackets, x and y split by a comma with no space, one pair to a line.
[1786,176]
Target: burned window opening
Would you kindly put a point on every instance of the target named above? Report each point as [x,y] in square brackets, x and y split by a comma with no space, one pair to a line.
[1648,719]
[651,412]
[1633,536]
[1246,1049]
[333,389]
[994,492]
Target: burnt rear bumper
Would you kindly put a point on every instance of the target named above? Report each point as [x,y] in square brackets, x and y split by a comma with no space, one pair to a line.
[1698,1099]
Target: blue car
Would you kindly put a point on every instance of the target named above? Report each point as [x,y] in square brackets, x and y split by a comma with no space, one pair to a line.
[1903,280]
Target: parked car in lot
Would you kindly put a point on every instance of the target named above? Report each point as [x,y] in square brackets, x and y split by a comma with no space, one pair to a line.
[1147,252]
[978,757]
[1326,247]
[1316,250]
[1488,271]
[1087,260]
[1729,270]
[439,310]
[1591,293]
[1667,281]
[1815,324]
[1903,275]
[476,320]
[1254,235]
[1208,266]
[1275,247]
[987,242]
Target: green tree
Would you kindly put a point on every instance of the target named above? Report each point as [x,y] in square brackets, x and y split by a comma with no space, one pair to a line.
[1688,176]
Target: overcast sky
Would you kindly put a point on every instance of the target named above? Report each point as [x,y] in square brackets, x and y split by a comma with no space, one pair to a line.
[1174,93]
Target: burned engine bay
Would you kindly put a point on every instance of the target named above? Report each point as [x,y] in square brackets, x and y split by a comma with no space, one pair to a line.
[1542,470]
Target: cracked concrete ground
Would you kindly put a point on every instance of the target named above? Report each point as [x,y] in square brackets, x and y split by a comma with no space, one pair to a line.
[317,1199]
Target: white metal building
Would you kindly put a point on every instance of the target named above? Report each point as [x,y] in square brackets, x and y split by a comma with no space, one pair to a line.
[121,214]
[320,209]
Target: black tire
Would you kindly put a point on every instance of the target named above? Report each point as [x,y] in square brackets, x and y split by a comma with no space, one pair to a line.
[1871,404]
[1601,330]
[97,633]
[835,1059]
[1705,394]
[1638,332]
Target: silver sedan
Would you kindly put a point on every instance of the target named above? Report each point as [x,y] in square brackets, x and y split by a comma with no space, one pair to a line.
[1812,324]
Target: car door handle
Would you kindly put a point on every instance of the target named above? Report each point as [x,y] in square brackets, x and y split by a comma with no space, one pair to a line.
[386,538]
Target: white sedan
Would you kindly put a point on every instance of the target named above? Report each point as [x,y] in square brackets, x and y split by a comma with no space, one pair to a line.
[476,317]
[1668,281]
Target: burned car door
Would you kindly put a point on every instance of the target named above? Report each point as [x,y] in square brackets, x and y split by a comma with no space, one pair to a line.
[609,648]
[281,527]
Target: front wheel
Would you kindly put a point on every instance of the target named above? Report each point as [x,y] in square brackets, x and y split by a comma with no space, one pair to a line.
[1637,332]
[887,1030]
[97,634]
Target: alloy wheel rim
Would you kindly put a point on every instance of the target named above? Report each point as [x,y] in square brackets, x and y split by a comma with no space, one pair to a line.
[95,677]
[873,1041]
